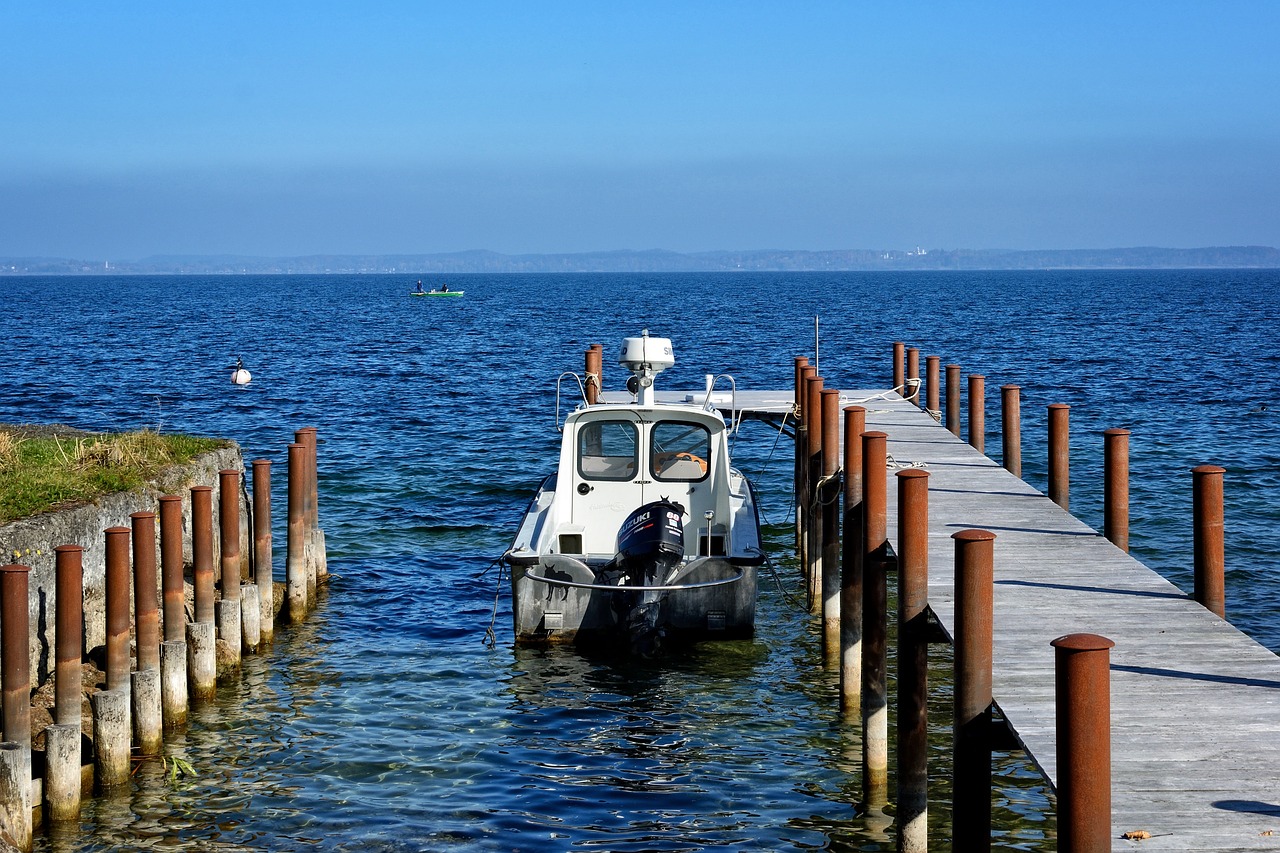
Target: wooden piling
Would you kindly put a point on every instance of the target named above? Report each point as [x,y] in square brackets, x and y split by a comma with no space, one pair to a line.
[173,683]
[15,795]
[1208,541]
[1060,454]
[913,661]
[974,572]
[1115,487]
[202,661]
[855,424]
[1011,429]
[875,704]
[111,740]
[62,773]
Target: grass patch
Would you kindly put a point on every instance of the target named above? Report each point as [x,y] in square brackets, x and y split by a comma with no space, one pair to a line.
[42,468]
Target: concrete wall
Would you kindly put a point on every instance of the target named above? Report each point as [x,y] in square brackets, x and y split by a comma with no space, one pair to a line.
[30,542]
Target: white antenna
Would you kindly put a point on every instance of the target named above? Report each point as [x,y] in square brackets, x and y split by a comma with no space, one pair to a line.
[815,346]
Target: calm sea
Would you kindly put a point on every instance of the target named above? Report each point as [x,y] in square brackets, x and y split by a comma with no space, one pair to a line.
[387,723]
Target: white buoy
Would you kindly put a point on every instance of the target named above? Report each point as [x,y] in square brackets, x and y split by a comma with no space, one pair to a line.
[240,376]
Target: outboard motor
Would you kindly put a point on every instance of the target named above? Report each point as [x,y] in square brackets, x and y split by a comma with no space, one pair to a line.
[651,542]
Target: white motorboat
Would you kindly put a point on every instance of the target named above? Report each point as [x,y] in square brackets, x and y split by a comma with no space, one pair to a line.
[645,533]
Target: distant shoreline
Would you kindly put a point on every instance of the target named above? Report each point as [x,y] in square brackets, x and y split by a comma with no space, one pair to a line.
[654,261]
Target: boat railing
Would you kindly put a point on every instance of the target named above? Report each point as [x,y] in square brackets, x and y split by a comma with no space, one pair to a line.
[582,391]
[737,576]
[710,405]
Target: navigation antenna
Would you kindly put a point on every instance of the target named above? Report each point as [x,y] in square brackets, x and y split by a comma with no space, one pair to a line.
[815,346]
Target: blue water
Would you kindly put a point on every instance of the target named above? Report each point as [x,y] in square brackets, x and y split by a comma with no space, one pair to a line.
[386,723]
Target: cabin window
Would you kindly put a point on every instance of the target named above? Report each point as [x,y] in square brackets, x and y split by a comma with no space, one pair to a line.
[607,450]
[679,451]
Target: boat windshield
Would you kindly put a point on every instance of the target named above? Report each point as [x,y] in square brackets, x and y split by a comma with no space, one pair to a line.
[607,450]
[679,451]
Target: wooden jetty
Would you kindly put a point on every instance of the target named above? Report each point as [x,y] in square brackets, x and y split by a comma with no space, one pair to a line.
[1195,703]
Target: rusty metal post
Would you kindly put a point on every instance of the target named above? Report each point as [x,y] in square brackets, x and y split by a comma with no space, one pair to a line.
[978,412]
[68,629]
[813,568]
[875,702]
[913,660]
[262,545]
[599,348]
[899,378]
[1082,687]
[297,599]
[1115,487]
[830,500]
[15,660]
[1011,428]
[117,583]
[594,356]
[202,551]
[912,391]
[1208,543]
[146,607]
[855,424]
[801,363]
[933,384]
[1060,454]
[953,399]
[229,533]
[171,567]
[974,573]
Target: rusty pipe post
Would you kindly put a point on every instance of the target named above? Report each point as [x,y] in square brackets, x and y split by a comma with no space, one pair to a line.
[295,560]
[117,583]
[1082,687]
[171,568]
[912,391]
[1115,487]
[229,533]
[1011,428]
[953,399]
[855,424]
[262,545]
[913,660]
[307,437]
[1060,454]
[978,412]
[1208,544]
[146,608]
[801,362]
[68,629]
[805,442]
[875,703]
[899,378]
[593,358]
[202,551]
[15,660]
[599,348]
[974,573]
[933,382]
[830,499]
[813,465]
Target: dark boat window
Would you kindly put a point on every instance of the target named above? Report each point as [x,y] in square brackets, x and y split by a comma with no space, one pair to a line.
[607,450]
[679,451]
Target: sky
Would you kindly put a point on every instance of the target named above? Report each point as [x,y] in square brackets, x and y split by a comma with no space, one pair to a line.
[287,128]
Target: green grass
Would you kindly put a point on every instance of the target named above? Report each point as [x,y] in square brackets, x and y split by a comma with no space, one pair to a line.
[39,471]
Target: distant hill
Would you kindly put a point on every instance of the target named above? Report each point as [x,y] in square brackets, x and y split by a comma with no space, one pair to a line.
[656,260]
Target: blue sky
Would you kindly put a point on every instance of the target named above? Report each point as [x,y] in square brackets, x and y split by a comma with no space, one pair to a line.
[291,128]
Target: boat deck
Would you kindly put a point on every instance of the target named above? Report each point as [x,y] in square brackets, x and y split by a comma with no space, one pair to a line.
[1195,703]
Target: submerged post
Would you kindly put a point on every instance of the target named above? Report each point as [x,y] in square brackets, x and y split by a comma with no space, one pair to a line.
[1082,687]
[953,399]
[978,412]
[1115,487]
[830,500]
[1208,543]
[855,424]
[1060,454]
[974,572]
[1011,429]
[262,570]
[875,702]
[913,660]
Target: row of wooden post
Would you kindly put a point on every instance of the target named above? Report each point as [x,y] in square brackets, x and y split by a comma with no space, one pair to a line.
[137,707]
[857,643]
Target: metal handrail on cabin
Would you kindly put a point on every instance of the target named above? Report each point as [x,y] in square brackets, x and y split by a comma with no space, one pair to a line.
[734,421]
[581,390]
